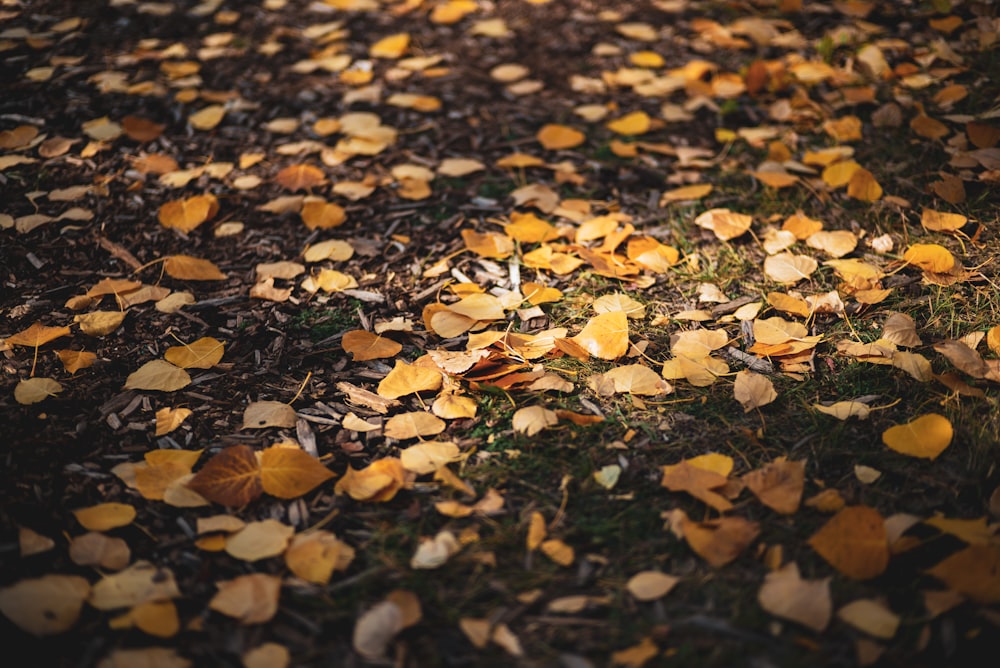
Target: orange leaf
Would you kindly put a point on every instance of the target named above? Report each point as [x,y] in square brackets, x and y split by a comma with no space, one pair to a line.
[379,481]
[972,572]
[318,214]
[187,214]
[696,481]
[300,177]
[720,541]
[364,346]
[636,123]
[288,473]
[74,360]
[142,129]
[854,541]
[778,485]
[555,137]
[488,244]
[231,478]
[36,335]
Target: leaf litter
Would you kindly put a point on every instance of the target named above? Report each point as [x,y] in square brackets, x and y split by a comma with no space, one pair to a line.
[543,295]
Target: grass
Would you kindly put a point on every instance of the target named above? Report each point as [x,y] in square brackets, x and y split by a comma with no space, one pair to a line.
[322,323]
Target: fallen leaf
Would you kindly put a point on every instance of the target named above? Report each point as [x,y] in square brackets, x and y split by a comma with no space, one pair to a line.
[972,571]
[407,379]
[105,516]
[139,583]
[605,335]
[290,472]
[785,594]
[531,420]
[47,605]
[555,137]
[230,478]
[871,617]
[434,552]
[250,599]
[264,414]
[753,390]
[187,268]
[778,485]
[204,353]
[33,390]
[854,542]
[259,540]
[926,436]
[558,551]
[724,223]
[267,655]
[720,541]
[651,585]
[363,345]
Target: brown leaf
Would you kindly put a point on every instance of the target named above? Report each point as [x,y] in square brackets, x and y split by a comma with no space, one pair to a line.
[231,478]
[720,541]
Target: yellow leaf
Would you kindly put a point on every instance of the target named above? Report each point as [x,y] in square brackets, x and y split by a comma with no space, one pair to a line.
[836,242]
[635,656]
[785,594]
[930,257]
[429,456]
[315,555]
[37,335]
[99,323]
[46,605]
[204,353]
[605,335]
[927,436]
[207,118]
[698,482]
[259,540]
[33,390]
[845,409]
[854,541]
[363,345]
[724,223]
[838,174]
[407,379]
[490,245]
[863,186]
[940,221]
[379,481]
[187,268]
[250,599]
[635,123]
[393,46]
[555,137]
[290,472]
[558,551]
[686,193]
[157,618]
[318,214]
[412,425]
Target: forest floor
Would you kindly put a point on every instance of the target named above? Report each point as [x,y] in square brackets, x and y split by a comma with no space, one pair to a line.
[466,333]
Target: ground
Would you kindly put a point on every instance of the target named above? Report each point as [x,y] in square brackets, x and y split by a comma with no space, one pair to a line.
[536,404]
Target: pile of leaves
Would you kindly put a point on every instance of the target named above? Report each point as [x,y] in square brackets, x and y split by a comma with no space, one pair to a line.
[447,332]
